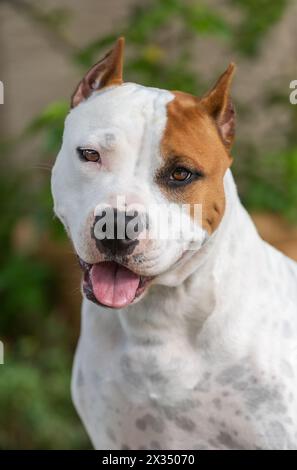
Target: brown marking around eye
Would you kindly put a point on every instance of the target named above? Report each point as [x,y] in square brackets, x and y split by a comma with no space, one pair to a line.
[192,134]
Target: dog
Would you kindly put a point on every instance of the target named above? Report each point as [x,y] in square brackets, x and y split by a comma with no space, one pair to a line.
[186,342]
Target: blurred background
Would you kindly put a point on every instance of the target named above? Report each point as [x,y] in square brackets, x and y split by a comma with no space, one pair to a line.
[46,46]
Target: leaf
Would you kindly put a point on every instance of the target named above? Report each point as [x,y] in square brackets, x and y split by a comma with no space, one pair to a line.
[203,21]
[54,113]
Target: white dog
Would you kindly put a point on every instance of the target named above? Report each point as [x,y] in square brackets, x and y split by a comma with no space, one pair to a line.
[200,351]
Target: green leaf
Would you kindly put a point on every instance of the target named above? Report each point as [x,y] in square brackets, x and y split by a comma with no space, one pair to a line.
[204,21]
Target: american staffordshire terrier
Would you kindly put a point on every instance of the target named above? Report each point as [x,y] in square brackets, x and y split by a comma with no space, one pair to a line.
[187,342]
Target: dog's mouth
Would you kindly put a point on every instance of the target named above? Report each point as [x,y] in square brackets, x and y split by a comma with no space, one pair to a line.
[111,284]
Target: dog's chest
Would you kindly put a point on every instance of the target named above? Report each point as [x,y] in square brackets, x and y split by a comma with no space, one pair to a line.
[152,396]
[138,397]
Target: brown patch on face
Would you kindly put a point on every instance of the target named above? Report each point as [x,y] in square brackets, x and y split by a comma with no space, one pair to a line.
[192,140]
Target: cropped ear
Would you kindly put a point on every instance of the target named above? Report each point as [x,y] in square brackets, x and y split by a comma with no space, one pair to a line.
[217,102]
[108,71]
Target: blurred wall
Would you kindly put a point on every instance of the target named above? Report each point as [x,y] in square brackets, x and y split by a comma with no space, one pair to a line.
[34,67]
[36,70]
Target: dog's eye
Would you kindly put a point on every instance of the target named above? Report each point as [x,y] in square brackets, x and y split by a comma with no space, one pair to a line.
[180,174]
[88,155]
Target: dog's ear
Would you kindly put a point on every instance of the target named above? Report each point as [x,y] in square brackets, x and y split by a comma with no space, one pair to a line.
[217,102]
[108,71]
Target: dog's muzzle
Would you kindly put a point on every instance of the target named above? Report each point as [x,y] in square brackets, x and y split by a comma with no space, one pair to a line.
[117,232]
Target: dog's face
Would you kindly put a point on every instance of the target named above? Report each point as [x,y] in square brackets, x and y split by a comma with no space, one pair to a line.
[136,166]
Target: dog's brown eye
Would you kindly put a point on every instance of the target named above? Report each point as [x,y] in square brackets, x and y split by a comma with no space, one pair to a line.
[180,174]
[89,155]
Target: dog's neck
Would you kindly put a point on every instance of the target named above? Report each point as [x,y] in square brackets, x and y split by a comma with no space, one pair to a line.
[186,296]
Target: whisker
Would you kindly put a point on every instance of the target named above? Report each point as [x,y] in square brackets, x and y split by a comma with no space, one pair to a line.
[42,167]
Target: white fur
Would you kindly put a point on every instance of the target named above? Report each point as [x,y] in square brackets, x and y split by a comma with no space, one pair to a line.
[207,359]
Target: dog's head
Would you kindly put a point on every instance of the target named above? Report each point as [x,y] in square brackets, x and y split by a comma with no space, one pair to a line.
[138,182]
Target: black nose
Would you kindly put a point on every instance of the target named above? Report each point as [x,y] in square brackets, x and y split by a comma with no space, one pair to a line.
[117,231]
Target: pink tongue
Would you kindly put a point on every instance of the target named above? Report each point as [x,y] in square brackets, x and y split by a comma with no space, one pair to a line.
[114,285]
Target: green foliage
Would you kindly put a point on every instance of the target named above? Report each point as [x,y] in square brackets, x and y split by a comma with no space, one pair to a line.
[31,281]
[50,123]
[202,20]
[146,22]
[270,183]
[258,17]
[36,410]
